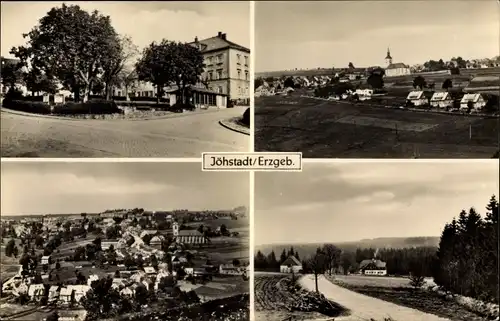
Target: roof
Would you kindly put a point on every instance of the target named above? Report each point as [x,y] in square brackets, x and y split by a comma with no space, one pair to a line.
[415,95]
[397,65]
[190,233]
[439,96]
[470,97]
[149,269]
[217,43]
[66,291]
[291,260]
[377,263]
[157,239]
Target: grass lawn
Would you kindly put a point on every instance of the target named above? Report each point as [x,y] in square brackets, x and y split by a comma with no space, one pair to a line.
[324,129]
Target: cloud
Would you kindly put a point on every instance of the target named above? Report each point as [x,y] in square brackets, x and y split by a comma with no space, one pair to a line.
[49,187]
[351,201]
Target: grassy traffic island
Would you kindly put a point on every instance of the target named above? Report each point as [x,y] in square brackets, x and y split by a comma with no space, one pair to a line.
[238,124]
[98,109]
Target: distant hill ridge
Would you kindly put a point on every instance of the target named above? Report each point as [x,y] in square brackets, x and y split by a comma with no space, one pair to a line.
[380,243]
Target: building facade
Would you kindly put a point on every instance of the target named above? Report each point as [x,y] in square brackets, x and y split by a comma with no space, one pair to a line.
[227,67]
[395,69]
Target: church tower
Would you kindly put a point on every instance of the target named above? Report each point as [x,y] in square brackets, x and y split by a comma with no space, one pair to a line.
[388,58]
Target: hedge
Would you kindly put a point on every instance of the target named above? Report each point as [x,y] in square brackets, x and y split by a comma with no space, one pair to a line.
[96,107]
[144,104]
[27,106]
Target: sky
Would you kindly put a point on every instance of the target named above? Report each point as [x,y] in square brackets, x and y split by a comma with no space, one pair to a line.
[344,202]
[66,188]
[307,34]
[143,21]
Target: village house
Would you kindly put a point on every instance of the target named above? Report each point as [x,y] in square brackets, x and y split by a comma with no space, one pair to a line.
[53,294]
[79,291]
[36,292]
[150,271]
[105,245]
[417,98]
[65,295]
[474,101]
[46,260]
[291,265]
[373,267]
[156,241]
[441,100]
[230,269]
[92,278]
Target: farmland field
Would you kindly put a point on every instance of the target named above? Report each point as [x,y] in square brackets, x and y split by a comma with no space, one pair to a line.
[272,301]
[324,129]
[385,281]
[223,287]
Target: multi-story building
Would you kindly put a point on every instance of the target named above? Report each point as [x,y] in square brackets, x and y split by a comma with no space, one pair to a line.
[227,67]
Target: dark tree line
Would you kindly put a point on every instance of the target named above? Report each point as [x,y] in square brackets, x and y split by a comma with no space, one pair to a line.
[271,262]
[467,259]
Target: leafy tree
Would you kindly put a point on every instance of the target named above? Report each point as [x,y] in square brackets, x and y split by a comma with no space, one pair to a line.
[147,238]
[71,45]
[419,82]
[258,82]
[36,82]
[289,83]
[376,78]
[9,248]
[170,62]
[11,74]
[121,51]
[101,299]
[351,65]
[447,84]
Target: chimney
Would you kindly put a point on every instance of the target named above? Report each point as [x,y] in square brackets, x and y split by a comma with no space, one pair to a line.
[219,34]
[223,36]
[195,39]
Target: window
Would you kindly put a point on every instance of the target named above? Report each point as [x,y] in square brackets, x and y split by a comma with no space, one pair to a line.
[210,76]
[239,90]
[239,74]
[246,91]
[219,74]
[246,75]
[151,94]
[246,61]
[238,56]
[220,90]
[210,60]
[219,59]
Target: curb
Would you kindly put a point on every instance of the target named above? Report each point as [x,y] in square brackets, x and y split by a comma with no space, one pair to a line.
[224,123]
[173,115]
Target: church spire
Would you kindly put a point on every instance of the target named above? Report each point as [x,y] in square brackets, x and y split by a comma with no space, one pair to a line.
[388,54]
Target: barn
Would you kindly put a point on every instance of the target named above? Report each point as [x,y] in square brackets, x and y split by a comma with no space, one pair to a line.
[291,265]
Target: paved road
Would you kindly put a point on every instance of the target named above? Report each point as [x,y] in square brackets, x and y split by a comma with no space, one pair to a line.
[363,307]
[186,135]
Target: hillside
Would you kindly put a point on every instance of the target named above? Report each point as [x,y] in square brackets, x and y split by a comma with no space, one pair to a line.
[381,242]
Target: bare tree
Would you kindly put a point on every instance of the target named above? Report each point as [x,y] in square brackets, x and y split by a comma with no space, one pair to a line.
[332,254]
[317,264]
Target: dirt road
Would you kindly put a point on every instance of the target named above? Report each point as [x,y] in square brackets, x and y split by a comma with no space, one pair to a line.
[185,136]
[363,307]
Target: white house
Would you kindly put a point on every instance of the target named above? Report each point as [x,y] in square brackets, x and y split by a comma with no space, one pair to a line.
[291,264]
[477,101]
[36,291]
[418,98]
[373,267]
[92,278]
[441,100]
[364,92]
[79,290]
